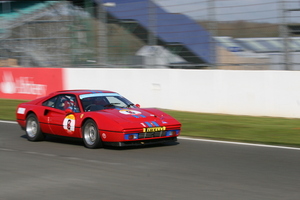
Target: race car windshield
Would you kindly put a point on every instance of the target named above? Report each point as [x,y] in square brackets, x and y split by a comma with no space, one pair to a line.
[94,102]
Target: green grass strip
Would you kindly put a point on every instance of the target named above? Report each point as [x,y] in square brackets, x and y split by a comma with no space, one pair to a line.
[264,130]
[8,109]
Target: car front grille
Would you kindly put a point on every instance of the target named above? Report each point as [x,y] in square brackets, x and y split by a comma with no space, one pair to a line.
[152,134]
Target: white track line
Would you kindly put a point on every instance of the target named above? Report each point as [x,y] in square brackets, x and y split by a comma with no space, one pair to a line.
[8,122]
[239,143]
[213,141]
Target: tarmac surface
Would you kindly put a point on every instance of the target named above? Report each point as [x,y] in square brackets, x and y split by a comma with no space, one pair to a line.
[64,169]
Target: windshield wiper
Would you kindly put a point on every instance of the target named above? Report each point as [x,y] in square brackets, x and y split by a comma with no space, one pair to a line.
[128,106]
[111,105]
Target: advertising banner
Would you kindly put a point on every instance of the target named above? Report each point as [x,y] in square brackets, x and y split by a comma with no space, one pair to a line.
[29,83]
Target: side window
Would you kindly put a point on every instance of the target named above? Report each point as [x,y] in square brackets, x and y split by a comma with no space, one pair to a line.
[60,103]
[50,102]
[67,101]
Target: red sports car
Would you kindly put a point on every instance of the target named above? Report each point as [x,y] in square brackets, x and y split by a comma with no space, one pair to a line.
[98,117]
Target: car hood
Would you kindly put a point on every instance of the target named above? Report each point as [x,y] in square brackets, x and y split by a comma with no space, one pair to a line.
[138,117]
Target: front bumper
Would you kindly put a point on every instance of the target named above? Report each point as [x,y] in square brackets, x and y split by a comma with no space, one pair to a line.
[141,142]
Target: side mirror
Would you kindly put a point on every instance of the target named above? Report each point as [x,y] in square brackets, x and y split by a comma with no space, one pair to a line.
[138,105]
[68,110]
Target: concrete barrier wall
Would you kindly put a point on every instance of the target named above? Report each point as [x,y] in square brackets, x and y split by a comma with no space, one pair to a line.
[257,93]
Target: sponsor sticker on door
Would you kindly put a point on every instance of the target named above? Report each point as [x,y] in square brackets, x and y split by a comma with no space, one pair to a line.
[69,123]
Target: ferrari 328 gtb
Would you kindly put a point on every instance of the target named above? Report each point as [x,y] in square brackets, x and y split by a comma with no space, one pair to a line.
[98,117]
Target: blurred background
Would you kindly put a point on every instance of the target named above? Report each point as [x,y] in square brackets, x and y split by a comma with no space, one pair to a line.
[190,34]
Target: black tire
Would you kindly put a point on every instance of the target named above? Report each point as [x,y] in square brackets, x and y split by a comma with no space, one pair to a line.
[90,135]
[33,130]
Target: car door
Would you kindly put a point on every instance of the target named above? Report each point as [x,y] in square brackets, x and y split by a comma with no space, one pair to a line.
[62,115]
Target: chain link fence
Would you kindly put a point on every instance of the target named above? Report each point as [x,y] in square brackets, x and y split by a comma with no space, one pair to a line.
[208,34]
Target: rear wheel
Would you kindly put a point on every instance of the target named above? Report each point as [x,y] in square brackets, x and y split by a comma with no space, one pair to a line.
[33,130]
[90,135]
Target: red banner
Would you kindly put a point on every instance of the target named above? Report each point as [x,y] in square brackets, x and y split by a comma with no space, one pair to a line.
[29,83]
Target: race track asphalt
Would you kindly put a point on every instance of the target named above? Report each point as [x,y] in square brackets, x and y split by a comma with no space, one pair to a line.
[61,169]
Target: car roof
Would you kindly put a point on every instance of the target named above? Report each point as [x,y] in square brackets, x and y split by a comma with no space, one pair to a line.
[79,92]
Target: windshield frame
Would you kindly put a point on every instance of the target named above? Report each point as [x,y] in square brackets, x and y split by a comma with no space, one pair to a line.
[90,102]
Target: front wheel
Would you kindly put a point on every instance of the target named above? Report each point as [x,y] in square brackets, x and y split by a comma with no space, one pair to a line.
[90,135]
[33,130]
